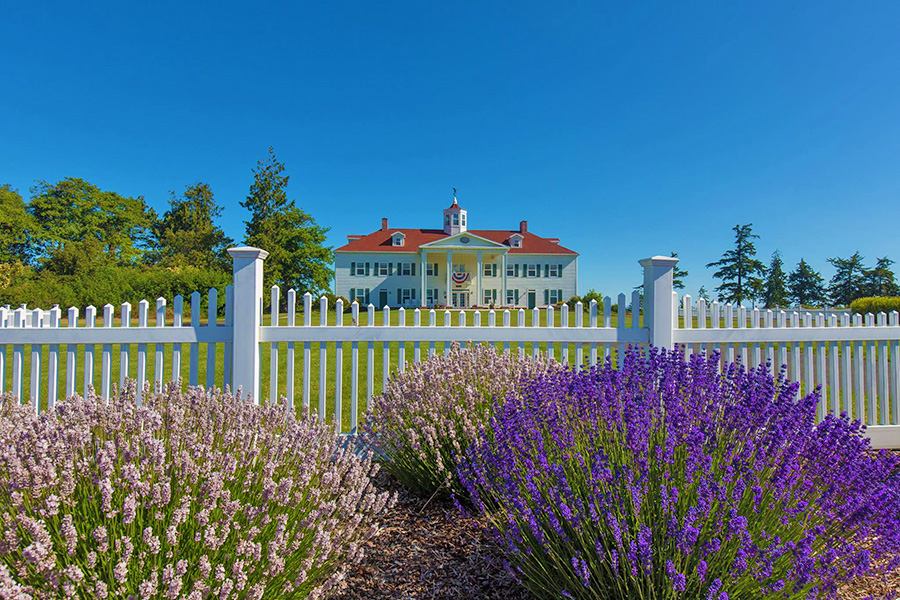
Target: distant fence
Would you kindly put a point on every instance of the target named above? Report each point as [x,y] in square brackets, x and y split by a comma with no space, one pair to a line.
[855,360]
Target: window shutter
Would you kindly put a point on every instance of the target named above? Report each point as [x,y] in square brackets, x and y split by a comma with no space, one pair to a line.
[546,296]
[525,271]
[559,272]
[352,269]
[352,294]
[546,270]
[367,269]
[435,270]
[390,268]
[517,270]
[414,293]
[399,296]
[375,268]
[399,268]
[559,295]
[414,269]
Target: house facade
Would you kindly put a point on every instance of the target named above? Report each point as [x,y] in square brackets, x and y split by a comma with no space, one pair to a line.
[455,266]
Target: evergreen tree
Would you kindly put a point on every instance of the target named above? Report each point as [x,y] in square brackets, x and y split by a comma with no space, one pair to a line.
[297,257]
[703,293]
[738,268]
[678,274]
[881,281]
[774,293]
[806,286]
[187,234]
[849,281]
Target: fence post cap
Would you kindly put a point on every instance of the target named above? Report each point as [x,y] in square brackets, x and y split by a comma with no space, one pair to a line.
[247,252]
[657,261]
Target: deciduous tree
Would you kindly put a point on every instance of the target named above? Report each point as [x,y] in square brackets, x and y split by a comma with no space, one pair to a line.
[16,226]
[298,257]
[738,268]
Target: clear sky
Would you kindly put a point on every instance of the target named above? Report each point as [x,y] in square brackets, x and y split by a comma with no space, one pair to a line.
[626,129]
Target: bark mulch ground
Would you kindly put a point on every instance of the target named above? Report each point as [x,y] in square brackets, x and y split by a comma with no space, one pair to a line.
[428,550]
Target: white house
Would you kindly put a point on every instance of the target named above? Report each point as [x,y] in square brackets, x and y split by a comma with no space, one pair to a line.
[455,266]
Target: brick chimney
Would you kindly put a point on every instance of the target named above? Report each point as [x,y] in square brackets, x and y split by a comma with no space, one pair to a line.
[523,226]
[384,224]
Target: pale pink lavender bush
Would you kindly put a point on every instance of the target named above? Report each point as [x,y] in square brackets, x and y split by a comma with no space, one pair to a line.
[428,414]
[193,495]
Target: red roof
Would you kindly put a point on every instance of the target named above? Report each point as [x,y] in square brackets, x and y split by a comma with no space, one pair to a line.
[454,205]
[380,241]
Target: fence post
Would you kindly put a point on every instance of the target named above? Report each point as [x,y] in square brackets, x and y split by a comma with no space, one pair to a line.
[247,266]
[660,315]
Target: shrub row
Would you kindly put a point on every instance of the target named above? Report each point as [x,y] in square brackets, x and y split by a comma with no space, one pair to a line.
[875,305]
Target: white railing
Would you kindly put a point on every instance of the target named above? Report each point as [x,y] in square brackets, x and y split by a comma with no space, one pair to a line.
[856,360]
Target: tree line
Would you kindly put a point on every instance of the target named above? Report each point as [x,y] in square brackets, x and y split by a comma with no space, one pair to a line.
[744,277]
[74,244]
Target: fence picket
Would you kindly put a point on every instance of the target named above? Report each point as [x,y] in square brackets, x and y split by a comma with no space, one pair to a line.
[401,347]
[177,321]
[323,358]
[579,323]
[883,395]
[701,322]
[520,322]
[564,322]
[354,370]
[291,371]
[370,355]
[687,307]
[781,323]
[870,373]
[90,315]
[417,345]
[506,324]
[846,384]
[447,323]
[593,325]
[729,324]
[275,300]
[795,349]
[71,354]
[859,374]
[3,325]
[621,326]
[386,347]
[143,310]
[769,323]
[227,366]
[535,322]
[551,323]
[307,351]
[834,371]
[52,366]
[195,347]
[106,355]
[160,356]
[37,317]
[607,323]
[18,363]
[212,321]
[895,371]
[338,367]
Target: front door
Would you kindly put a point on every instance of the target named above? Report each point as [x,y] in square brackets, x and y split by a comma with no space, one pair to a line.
[532,299]
[460,299]
[382,299]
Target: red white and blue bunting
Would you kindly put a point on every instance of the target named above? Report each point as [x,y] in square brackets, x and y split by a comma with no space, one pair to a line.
[459,277]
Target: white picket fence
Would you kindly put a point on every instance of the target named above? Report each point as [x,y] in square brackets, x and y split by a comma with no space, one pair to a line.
[855,360]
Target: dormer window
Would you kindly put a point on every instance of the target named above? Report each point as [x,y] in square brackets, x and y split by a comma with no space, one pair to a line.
[515,240]
[398,239]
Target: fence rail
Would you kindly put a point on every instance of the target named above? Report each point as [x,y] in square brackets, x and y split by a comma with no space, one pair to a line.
[855,360]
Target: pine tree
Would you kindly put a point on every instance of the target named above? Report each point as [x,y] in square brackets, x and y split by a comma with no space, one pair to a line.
[849,281]
[881,280]
[187,234]
[774,293]
[703,293]
[298,257]
[739,270]
[678,274]
[806,286]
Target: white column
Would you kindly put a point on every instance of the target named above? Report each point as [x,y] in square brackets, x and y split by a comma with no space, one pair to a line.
[659,310]
[422,268]
[248,287]
[503,270]
[449,269]
[479,283]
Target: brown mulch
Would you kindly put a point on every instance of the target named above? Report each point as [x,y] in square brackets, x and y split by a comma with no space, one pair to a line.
[428,550]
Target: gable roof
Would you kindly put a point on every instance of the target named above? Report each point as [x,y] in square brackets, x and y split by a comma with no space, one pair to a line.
[380,241]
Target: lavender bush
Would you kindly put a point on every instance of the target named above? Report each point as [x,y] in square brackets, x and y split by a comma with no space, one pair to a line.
[429,413]
[193,495]
[665,479]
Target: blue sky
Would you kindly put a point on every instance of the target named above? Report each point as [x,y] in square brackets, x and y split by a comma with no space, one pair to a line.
[625,130]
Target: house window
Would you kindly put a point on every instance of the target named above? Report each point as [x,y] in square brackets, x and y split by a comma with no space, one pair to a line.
[406,296]
[490,296]
[431,296]
[555,296]
[431,270]
[359,268]
[511,296]
[532,271]
[456,219]
[398,240]
[490,270]
[406,268]
[515,241]
[446,219]
[463,219]
[554,270]
[360,295]
[382,268]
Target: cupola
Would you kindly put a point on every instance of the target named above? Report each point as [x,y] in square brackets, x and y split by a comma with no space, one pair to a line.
[454,218]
